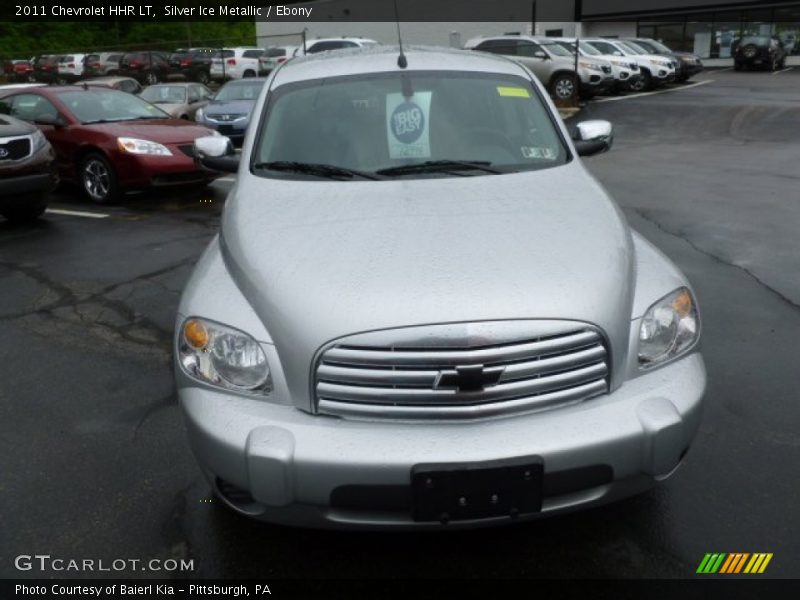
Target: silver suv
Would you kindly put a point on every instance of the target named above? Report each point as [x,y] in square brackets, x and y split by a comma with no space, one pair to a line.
[552,63]
[422,311]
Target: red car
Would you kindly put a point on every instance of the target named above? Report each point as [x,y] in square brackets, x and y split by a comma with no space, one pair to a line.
[18,70]
[108,141]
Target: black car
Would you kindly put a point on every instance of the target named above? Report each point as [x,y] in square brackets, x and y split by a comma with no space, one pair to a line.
[759,51]
[193,64]
[148,67]
[689,64]
[27,169]
[45,68]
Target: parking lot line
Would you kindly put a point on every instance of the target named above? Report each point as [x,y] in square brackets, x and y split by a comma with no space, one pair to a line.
[77,213]
[782,70]
[642,94]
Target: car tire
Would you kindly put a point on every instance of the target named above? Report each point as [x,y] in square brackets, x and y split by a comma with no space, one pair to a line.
[25,213]
[249,73]
[564,86]
[643,83]
[202,77]
[98,179]
[151,78]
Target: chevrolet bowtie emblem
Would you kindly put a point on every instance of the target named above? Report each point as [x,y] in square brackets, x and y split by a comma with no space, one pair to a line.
[471,378]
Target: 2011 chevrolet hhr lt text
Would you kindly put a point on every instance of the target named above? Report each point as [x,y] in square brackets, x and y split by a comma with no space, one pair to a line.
[422,311]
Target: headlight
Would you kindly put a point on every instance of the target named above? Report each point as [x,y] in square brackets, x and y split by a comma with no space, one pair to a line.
[198,116]
[134,146]
[223,356]
[669,328]
[620,63]
[590,66]
[38,140]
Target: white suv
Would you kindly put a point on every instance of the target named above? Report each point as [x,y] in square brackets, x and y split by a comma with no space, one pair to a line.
[70,67]
[625,69]
[325,44]
[235,63]
[655,70]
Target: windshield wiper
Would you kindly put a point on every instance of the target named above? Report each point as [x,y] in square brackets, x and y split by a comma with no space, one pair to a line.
[439,166]
[318,169]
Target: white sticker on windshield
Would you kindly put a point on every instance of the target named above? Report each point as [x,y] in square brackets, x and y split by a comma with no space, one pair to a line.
[543,153]
[407,125]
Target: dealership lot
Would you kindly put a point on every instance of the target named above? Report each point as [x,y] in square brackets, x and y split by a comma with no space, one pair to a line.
[95,458]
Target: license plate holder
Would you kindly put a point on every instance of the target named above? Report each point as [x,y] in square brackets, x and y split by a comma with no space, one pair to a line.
[477,490]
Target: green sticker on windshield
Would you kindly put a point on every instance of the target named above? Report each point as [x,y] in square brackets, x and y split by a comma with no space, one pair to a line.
[407,125]
[513,92]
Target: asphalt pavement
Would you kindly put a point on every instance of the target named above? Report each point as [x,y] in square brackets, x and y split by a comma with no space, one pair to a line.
[93,453]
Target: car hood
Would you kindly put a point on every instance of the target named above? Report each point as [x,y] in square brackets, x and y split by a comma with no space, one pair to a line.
[10,127]
[163,131]
[319,260]
[234,107]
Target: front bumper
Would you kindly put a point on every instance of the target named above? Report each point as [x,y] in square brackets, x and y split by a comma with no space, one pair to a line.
[300,469]
[142,171]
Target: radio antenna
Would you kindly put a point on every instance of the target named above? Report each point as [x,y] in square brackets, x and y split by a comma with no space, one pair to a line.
[402,61]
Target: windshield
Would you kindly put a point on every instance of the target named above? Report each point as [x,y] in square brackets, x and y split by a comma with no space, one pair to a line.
[587,49]
[240,90]
[164,94]
[634,49]
[556,49]
[102,105]
[605,48]
[374,122]
[653,46]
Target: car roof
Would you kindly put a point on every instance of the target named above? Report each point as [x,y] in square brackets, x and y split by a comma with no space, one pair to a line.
[381,59]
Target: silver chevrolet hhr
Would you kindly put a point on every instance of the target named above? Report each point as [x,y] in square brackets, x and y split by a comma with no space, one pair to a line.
[422,311]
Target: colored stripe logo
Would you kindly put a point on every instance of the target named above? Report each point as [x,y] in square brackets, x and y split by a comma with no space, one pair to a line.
[734,563]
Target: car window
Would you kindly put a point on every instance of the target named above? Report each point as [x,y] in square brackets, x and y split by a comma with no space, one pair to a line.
[240,90]
[525,48]
[331,45]
[99,105]
[369,122]
[556,49]
[113,57]
[271,52]
[252,53]
[631,47]
[30,107]
[164,94]
[505,47]
[607,48]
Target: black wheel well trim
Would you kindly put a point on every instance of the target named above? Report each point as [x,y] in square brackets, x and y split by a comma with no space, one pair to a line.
[561,72]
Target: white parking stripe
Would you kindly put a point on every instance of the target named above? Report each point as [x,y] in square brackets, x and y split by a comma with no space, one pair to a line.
[782,70]
[642,94]
[77,213]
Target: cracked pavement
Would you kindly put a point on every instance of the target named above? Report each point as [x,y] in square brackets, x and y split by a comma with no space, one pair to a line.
[94,458]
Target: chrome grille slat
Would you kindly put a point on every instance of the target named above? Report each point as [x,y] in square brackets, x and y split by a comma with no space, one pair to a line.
[444,357]
[501,391]
[441,371]
[542,402]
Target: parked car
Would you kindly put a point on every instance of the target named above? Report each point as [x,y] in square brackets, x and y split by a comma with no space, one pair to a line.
[123,84]
[110,142]
[553,64]
[193,64]
[654,70]
[20,86]
[759,51]
[688,64]
[27,170]
[625,71]
[178,99]
[422,310]
[18,70]
[70,68]
[102,64]
[45,68]
[147,67]
[235,63]
[229,110]
[274,56]
[326,44]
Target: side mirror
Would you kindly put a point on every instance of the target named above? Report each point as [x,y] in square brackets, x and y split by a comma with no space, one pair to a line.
[216,153]
[541,54]
[56,121]
[593,137]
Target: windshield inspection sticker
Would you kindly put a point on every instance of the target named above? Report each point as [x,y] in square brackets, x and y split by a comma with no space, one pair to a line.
[513,92]
[539,152]
[407,125]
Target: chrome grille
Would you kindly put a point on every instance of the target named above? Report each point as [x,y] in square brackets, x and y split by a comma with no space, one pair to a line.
[440,378]
[15,148]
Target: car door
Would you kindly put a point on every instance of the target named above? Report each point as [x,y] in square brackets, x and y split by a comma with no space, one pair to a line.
[31,108]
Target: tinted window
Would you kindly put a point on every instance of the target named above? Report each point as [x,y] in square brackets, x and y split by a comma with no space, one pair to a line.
[367,122]
[30,107]
[332,45]
[275,52]
[252,53]
[506,47]
[527,48]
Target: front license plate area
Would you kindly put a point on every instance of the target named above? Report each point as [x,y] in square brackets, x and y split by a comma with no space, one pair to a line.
[479,490]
